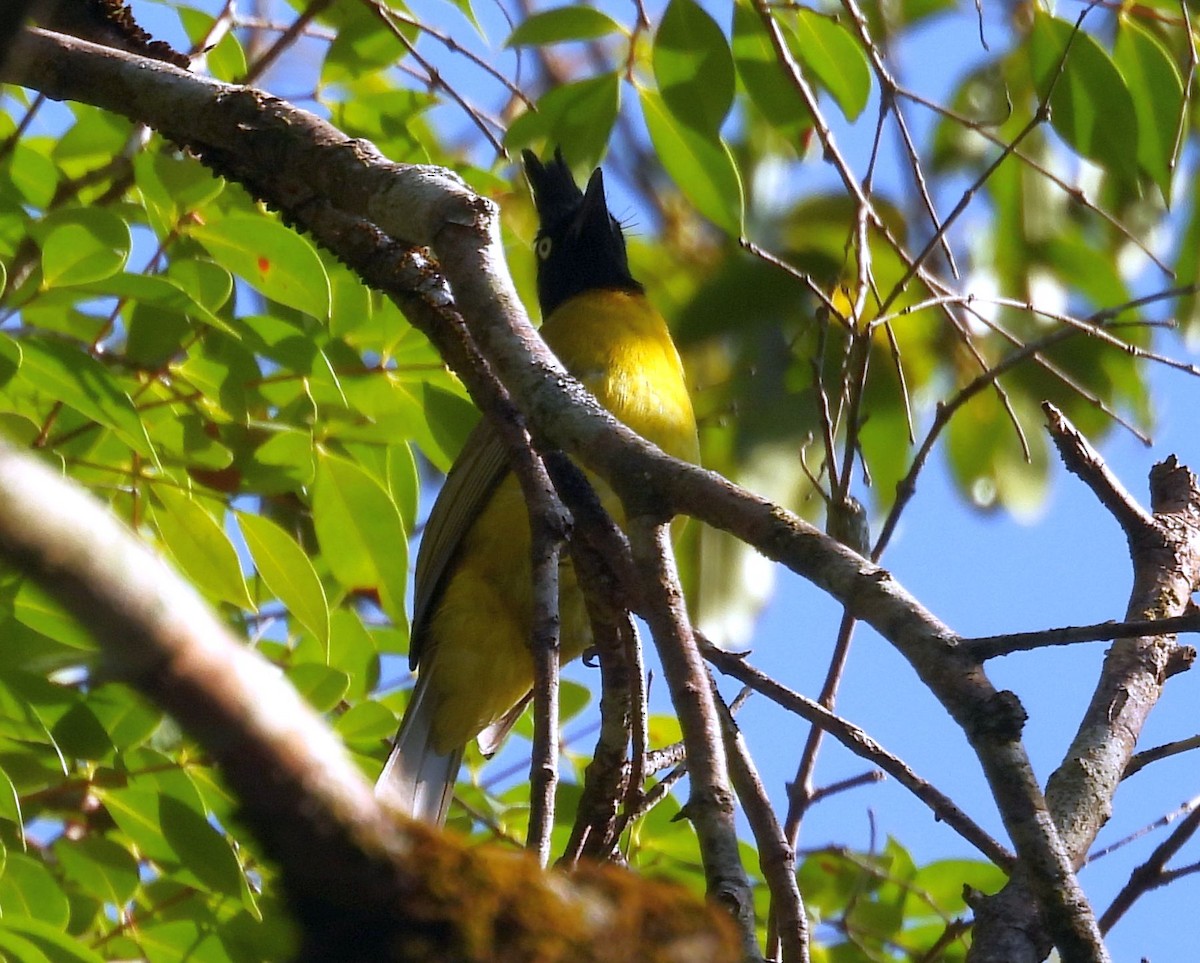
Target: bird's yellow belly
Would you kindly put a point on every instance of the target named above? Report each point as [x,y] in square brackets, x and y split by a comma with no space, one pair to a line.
[480,664]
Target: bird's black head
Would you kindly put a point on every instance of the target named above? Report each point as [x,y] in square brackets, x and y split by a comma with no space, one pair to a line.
[579,244]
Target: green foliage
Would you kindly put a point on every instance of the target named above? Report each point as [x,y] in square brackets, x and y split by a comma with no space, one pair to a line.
[247,405]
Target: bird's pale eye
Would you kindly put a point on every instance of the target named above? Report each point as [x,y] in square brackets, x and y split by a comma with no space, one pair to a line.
[543,246]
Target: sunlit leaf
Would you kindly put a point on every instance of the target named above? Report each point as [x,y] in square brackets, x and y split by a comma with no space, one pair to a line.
[577,117]
[76,379]
[287,571]
[28,889]
[82,245]
[360,532]
[1090,106]
[273,258]
[826,47]
[199,546]
[702,167]
[763,77]
[1157,90]
[99,866]
[561,24]
[693,67]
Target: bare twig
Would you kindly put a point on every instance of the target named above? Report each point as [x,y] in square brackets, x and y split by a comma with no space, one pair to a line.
[1151,874]
[991,646]
[861,744]
[1178,813]
[1143,759]
[1083,460]
[776,856]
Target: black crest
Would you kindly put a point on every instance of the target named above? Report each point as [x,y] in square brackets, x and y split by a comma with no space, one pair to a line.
[579,244]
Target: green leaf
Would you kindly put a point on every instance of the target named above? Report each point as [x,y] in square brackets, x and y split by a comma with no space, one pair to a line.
[702,167]
[10,807]
[78,380]
[28,889]
[943,883]
[360,531]
[404,483]
[464,7]
[79,734]
[34,607]
[199,546]
[227,60]
[367,722]
[82,245]
[157,290]
[272,258]
[183,940]
[693,67]
[353,650]
[288,572]
[10,352]
[135,811]
[32,174]
[207,284]
[16,949]
[1157,90]
[171,184]
[364,42]
[827,49]
[577,117]
[202,849]
[127,718]
[99,866]
[1090,106]
[562,24]
[764,78]
[322,686]
[57,946]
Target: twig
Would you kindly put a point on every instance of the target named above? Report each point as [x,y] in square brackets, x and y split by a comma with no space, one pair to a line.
[862,745]
[991,646]
[1179,812]
[285,40]
[845,785]
[776,856]
[1165,551]
[1150,874]
[548,522]
[1081,459]
[434,78]
[1143,759]
[800,791]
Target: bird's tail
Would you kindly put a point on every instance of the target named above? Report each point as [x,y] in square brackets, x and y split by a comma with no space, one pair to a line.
[417,779]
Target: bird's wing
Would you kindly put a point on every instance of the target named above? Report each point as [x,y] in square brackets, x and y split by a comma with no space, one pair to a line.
[479,468]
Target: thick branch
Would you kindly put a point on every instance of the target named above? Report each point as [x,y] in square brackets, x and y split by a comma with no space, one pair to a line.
[1165,551]
[357,879]
[710,805]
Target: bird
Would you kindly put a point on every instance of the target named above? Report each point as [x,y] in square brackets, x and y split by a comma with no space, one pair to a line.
[472,607]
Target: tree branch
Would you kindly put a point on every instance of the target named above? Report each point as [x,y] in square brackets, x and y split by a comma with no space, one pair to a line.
[710,805]
[1165,551]
[356,876]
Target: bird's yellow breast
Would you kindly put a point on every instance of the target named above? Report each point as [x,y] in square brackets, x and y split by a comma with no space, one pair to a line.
[618,345]
[477,648]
